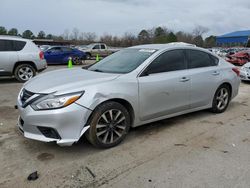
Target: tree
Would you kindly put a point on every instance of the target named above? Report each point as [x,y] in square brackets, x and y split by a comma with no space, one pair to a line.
[3,30]
[144,37]
[172,37]
[90,37]
[200,30]
[49,36]
[13,32]
[198,41]
[184,37]
[28,34]
[160,35]
[210,41]
[75,34]
[41,35]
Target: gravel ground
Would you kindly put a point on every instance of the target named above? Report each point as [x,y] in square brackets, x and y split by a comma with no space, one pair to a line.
[200,149]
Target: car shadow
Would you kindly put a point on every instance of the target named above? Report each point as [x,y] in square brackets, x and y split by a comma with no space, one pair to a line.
[7,80]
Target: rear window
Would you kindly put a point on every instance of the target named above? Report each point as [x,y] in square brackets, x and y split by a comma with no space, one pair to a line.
[11,45]
[198,59]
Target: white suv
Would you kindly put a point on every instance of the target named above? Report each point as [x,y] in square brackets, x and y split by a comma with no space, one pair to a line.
[20,57]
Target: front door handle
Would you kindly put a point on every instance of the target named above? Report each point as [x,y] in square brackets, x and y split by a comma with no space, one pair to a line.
[184,79]
[216,73]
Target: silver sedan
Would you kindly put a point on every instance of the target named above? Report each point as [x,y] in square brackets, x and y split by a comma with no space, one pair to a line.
[132,87]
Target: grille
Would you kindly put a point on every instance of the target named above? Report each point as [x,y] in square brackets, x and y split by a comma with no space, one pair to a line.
[26,95]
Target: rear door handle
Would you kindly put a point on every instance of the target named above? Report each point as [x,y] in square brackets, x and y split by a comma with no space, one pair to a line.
[184,79]
[216,73]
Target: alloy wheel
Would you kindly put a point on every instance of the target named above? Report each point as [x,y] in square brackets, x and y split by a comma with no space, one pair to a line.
[25,73]
[222,98]
[111,126]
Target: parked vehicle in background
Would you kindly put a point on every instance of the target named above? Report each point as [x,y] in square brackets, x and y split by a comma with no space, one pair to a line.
[239,58]
[99,48]
[61,55]
[245,72]
[132,87]
[20,58]
[44,47]
[81,47]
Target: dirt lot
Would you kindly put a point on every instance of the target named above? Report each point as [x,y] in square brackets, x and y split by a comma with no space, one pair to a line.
[195,150]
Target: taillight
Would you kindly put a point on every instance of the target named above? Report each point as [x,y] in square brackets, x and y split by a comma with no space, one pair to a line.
[236,70]
[41,55]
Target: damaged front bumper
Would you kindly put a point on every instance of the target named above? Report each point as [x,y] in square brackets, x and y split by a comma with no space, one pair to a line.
[64,126]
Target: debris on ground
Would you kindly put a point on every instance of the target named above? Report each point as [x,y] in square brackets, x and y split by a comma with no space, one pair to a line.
[184,145]
[91,173]
[206,147]
[224,151]
[33,176]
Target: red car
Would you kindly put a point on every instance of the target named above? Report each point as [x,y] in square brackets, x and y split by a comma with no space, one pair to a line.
[239,58]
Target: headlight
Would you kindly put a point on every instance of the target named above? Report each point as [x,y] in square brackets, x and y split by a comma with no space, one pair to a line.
[56,101]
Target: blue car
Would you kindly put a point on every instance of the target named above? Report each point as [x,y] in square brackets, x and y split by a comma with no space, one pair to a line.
[61,55]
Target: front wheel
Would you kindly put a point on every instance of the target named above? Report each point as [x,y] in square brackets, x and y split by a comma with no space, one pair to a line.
[221,99]
[109,125]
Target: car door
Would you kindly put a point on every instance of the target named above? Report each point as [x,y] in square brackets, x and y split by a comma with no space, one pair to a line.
[164,87]
[53,55]
[66,53]
[8,56]
[205,77]
[96,50]
[104,51]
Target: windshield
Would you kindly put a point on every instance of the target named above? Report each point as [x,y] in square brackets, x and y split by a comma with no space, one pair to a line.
[123,61]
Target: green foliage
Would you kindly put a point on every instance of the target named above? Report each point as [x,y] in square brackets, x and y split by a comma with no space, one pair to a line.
[198,41]
[3,30]
[13,32]
[41,35]
[210,41]
[49,36]
[144,37]
[28,34]
[172,37]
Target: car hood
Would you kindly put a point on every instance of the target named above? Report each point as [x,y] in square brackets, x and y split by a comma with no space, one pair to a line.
[66,80]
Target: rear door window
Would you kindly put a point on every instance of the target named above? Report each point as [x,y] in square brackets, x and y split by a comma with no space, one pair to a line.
[103,46]
[199,59]
[18,45]
[169,61]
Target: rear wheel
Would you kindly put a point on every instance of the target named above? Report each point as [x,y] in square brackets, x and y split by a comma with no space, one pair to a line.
[221,99]
[24,72]
[77,60]
[109,125]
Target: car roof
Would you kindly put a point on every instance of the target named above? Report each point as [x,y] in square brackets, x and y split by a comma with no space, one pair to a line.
[164,46]
[9,37]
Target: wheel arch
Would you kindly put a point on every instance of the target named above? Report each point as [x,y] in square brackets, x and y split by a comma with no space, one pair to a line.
[24,62]
[229,85]
[123,102]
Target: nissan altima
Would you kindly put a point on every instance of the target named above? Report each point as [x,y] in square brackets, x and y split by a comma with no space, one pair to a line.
[132,87]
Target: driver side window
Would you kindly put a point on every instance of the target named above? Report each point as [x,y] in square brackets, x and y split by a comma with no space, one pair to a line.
[169,61]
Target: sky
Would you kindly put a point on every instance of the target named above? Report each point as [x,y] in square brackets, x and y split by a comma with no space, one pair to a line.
[119,16]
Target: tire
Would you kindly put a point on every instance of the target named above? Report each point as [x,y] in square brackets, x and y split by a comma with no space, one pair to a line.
[221,99]
[77,60]
[24,72]
[88,56]
[109,125]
